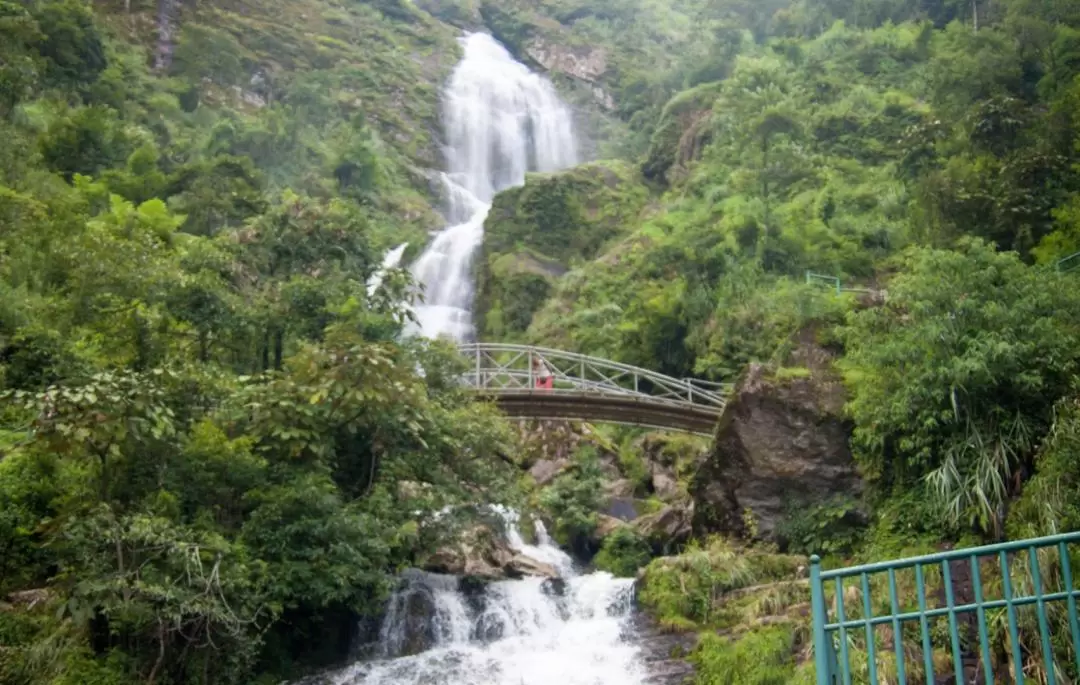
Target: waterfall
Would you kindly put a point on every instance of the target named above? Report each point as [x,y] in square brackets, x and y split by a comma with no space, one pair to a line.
[390,261]
[570,631]
[501,121]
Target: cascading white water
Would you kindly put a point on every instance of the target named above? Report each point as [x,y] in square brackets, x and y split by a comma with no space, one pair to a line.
[502,120]
[390,261]
[516,632]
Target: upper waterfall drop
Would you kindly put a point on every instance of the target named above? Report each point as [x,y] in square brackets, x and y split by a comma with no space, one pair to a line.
[502,121]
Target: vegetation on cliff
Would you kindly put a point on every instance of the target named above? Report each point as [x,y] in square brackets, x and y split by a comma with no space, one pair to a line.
[923,156]
[215,449]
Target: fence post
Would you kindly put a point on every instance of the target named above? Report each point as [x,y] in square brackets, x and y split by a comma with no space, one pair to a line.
[817,610]
[479,380]
[532,381]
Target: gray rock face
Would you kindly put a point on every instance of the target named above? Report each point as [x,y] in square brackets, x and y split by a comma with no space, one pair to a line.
[480,553]
[545,470]
[667,528]
[663,652]
[779,444]
[586,64]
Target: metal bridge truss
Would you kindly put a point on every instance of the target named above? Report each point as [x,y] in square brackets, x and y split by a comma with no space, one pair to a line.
[590,389]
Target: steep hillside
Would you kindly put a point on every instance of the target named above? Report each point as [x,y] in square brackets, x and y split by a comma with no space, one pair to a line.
[215,446]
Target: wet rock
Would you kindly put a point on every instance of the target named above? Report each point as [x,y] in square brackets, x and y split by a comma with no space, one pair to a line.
[779,444]
[606,525]
[546,470]
[620,488]
[482,554]
[26,600]
[622,508]
[554,587]
[667,528]
[664,484]
[585,63]
[663,652]
[520,566]
[418,628]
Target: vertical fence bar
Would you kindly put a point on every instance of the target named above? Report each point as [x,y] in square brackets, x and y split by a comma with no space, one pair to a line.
[1067,579]
[898,635]
[954,630]
[845,668]
[868,614]
[817,609]
[928,652]
[532,371]
[1040,609]
[1010,610]
[984,642]
[479,380]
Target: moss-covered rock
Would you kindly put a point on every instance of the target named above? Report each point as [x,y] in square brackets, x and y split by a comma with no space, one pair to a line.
[721,585]
[534,233]
[749,607]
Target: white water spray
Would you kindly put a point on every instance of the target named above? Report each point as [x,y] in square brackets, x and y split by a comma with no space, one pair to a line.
[390,261]
[517,632]
[502,120]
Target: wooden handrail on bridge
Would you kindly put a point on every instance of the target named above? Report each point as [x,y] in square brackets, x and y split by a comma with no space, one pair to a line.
[503,369]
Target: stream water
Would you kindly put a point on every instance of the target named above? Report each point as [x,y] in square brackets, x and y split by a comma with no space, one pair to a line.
[576,630]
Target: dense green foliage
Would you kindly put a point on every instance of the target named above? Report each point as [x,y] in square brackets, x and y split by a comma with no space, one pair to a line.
[623,553]
[207,427]
[215,449]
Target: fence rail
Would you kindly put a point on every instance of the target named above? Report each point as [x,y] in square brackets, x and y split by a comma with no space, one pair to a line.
[1070,263]
[507,369]
[1002,613]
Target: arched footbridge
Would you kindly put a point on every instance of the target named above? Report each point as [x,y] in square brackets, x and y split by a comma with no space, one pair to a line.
[590,389]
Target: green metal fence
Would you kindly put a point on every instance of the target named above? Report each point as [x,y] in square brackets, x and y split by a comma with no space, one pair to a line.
[1001,613]
[1070,263]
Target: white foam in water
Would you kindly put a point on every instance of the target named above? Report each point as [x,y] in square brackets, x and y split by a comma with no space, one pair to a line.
[390,261]
[516,633]
[502,120]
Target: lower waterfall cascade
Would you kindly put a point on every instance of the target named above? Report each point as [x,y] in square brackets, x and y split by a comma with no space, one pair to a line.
[574,630]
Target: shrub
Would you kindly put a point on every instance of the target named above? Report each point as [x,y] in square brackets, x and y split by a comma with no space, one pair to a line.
[623,553]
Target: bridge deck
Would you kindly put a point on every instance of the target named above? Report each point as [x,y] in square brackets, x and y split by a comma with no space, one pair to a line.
[590,389]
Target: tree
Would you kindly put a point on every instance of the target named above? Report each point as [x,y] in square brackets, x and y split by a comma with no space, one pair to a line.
[954,380]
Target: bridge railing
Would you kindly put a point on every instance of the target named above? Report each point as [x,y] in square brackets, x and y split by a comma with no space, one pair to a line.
[1004,613]
[503,368]
[1070,263]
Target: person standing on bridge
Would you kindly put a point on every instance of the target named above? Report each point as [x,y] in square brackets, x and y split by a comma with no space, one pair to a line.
[542,372]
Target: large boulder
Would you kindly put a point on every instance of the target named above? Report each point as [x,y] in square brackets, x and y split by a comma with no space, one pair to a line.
[781,442]
[668,528]
[545,471]
[479,552]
